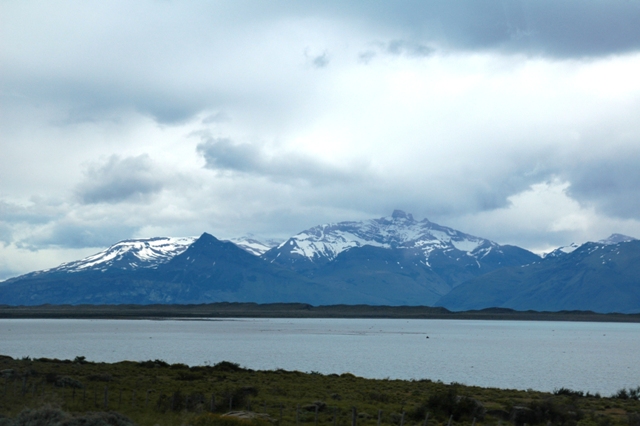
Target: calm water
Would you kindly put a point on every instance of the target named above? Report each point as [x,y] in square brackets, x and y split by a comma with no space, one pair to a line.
[595,357]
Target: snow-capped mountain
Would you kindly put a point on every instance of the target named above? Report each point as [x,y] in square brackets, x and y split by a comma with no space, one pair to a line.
[323,243]
[616,239]
[561,251]
[611,240]
[253,246]
[393,260]
[130,255]
[148,253]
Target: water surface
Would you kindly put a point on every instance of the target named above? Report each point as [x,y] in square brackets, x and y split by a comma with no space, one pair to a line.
[595,357]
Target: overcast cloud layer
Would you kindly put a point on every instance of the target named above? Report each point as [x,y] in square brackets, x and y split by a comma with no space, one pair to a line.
[511,120]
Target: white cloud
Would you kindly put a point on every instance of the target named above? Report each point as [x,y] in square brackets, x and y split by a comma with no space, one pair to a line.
[332,111]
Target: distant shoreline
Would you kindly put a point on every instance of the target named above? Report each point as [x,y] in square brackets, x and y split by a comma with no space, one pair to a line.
[296,310]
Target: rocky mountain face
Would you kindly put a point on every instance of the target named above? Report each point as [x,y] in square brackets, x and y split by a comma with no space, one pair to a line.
[380,256]
[393,260]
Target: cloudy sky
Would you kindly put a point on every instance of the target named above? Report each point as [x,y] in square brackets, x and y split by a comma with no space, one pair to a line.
[516,120]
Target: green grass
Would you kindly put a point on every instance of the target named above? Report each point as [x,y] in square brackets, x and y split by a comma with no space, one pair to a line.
[156,393]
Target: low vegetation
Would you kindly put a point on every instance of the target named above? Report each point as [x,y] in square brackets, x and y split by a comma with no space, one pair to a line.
[45,391]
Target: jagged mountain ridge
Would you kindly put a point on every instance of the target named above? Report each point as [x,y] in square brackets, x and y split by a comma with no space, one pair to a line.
[137,253]
[322,244]
[612,239]
[130,255]
[254,246]
[393,260]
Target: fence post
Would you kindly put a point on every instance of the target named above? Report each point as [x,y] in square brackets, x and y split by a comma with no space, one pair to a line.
[426,419]
[280,423]
[379,417]
[335,415]
[120,399]
[133,398]
[106,398]
[213,402]
[353,416]
[316,414]
[264,407]
[474,422]
[402,419]
[297,414]
[231,403]
[450,418]
[146,401]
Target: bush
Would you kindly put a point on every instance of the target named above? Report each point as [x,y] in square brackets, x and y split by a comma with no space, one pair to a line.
[68,382]
[208,419]
[46,416]
[158,363]
[537,412]
[49,416]
[628,394]
[567,392]
[178,402]
[449,403]
[227,366]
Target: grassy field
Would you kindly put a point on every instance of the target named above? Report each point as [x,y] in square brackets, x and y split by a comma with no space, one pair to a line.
[156,393]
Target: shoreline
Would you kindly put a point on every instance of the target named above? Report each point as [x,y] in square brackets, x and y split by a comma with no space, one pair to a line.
[296,310]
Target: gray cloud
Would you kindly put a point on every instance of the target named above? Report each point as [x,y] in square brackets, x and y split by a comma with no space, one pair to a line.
[397,47]
[569,29]
[41,211]
[223,155]
[120,179]
[609,184]
[218,117]
[68,234]
[321,61]
[400,47]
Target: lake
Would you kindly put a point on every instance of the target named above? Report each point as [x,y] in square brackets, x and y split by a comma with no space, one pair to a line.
[594,357]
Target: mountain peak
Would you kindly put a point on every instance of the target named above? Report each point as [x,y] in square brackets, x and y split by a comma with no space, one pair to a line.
[616,239]
[399,214]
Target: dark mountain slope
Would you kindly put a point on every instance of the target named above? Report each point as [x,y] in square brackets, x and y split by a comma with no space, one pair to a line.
[596,276]
[208,271]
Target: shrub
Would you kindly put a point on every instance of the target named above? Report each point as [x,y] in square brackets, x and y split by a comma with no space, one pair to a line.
[227,366]
[104,377]
[449,403]
[567,392]
[179,366]
[49,416]
[209,419]
[158,363]
[45,416]
[628,394]
[68,382]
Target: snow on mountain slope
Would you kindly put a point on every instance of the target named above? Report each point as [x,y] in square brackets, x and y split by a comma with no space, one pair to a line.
[253,246]
[561,251]
[130,255]
[616,239]
[611,240]
[400,231]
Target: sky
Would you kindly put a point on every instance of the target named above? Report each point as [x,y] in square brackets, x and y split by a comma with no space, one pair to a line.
[515,121]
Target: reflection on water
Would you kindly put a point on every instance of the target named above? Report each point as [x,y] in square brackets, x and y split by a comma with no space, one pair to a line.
[595,357]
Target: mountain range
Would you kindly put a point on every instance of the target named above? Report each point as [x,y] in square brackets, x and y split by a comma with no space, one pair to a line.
[394,260]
